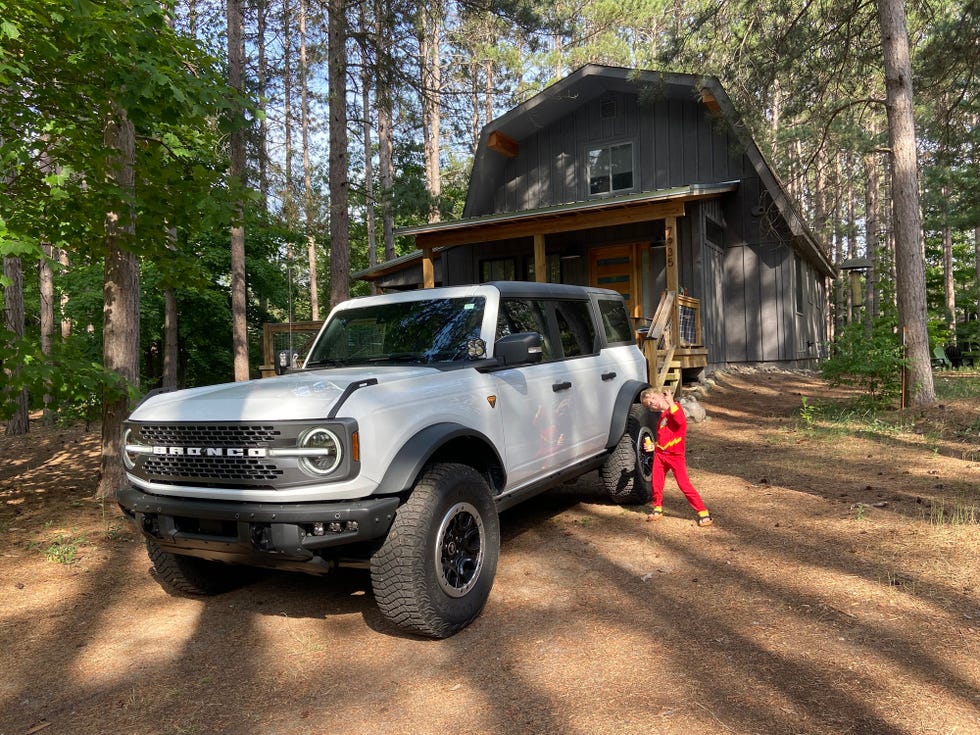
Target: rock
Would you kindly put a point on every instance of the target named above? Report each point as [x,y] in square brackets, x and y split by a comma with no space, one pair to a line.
[692,409]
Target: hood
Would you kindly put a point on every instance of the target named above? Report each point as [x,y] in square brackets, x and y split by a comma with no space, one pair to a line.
[296,396]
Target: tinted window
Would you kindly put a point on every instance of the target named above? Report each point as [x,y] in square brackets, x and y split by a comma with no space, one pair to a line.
[575,327]
[522,315]
[615,321]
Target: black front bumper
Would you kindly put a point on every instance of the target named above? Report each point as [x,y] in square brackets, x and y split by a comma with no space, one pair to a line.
[263,534]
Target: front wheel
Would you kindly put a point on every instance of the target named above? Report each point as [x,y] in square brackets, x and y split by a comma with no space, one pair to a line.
[433,574]
[627,471]
[187,575]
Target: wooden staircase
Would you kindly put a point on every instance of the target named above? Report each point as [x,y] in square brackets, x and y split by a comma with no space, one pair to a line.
[659,348]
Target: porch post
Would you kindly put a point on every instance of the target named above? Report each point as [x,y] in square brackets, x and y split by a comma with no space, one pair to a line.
[428,269]
[670,236]
[540,261]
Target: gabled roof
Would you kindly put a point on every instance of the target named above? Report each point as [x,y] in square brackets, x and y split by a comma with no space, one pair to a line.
[592,81]
[561,99]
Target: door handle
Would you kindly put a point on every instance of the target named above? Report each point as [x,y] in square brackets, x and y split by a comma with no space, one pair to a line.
[561,386]
[608,376]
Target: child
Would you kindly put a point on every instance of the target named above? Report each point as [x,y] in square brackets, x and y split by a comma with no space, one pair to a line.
[669,454]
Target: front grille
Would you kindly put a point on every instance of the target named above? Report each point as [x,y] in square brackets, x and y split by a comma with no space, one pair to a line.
[227,469]
[181,468]
[208,435]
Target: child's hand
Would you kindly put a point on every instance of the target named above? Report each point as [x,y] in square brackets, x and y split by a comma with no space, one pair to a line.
[648,445]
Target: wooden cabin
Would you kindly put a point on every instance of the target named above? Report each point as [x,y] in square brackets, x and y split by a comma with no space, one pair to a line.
[646,183]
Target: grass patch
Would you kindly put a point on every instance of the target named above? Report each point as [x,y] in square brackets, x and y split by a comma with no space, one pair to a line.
[944,512]
[62,549]
[956,385]
[852,417]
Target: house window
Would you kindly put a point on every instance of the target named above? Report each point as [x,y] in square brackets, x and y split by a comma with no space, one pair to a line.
[499,269]
[552,265]
[800,285]
[611,169]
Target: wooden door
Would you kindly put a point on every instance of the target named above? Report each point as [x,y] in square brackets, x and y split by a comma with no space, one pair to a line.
[617,267]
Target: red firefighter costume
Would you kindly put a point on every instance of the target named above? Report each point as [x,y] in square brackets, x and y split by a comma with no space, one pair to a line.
[669,455]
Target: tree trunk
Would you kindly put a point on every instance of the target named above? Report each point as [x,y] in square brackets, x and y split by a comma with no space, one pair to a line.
[120,302]
[236,170]
[65,321]
[386,155]
[369,203]
[339,180]
[262,70]
[46,279]
[171,344]
[13,309]
[976,267]
[910,280]
[309,204]
[431,86]
[872,237]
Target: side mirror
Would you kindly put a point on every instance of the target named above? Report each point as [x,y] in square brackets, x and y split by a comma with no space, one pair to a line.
[523,348]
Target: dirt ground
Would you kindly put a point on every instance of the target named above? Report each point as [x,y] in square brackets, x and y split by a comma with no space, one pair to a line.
[838,592]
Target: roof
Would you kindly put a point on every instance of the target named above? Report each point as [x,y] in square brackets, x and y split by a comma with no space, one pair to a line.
[578,215]
[559,100]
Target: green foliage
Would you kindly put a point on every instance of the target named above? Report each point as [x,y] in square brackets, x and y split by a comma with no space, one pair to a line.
[72,377]
[869,360]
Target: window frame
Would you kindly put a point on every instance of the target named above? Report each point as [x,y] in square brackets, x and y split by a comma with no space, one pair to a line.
[608,148]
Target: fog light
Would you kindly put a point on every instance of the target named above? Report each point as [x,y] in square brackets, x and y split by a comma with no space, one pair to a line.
[318,529]
[336,527]
[352,525]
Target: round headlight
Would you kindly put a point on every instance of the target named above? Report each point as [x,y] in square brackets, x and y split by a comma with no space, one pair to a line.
[129,459]
[321,453]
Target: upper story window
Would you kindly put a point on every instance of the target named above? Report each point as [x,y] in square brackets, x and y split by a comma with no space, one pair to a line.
[611,169]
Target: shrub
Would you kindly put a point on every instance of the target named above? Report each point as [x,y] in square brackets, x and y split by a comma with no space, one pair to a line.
[870,360]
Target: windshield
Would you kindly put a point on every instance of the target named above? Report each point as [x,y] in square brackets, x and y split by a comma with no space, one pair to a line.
[433,330]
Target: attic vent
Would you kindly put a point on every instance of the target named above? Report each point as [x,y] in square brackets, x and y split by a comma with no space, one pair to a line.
[607,108]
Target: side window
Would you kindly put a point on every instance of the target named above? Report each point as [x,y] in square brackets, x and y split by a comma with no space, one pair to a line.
[578,336]
[615,321]
[522,315]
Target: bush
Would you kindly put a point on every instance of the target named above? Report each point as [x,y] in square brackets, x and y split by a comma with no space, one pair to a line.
[871,361]
[74,381]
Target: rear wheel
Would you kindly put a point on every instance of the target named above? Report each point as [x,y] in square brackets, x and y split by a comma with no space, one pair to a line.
[627,471]
[434,572]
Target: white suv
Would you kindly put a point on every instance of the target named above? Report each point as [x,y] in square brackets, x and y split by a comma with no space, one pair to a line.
[414,420]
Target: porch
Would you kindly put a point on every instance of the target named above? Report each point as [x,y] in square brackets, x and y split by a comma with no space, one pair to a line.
[671,340]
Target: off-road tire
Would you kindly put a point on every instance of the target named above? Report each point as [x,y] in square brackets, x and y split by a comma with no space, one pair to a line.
[433,574]
[627,470]
[187,575]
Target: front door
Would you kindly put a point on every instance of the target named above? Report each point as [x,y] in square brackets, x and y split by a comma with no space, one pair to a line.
[617,267]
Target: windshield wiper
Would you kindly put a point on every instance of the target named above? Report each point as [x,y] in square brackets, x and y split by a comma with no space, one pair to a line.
[399,357]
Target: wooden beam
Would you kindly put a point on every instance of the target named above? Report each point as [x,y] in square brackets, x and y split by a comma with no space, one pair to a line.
[503,144]
[710,101]
[553,222]
[540,260]
[670,237]
[428,269]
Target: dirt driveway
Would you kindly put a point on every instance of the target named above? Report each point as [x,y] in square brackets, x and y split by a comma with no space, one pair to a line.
[837,593]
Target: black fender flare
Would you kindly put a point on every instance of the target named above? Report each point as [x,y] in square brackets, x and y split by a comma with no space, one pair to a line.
[628,395]
[415,454]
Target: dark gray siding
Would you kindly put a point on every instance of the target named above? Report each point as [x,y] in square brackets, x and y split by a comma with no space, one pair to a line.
[676,143]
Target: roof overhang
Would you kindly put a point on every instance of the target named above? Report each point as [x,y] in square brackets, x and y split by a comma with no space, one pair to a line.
[608,212]
[566,217]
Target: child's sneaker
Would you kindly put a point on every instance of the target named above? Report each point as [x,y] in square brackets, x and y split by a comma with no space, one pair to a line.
[656,514]
[704,518]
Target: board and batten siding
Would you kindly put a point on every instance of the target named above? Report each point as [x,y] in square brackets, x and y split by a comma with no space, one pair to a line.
[676,143]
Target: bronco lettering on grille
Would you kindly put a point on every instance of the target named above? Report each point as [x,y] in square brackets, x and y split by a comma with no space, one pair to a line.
[211,451]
